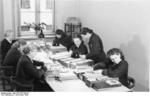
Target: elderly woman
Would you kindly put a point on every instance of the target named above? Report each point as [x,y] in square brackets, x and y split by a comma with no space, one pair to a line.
[26,71]
[13,55]
[6,42]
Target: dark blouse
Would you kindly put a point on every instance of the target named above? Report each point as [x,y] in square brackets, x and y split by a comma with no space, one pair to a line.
[26,71]
[5,46]
[65,41]
[118,70]
[11,59]
[82,50]
[96,49]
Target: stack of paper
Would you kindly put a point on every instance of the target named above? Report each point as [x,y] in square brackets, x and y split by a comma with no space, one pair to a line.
[90,75]
[60,55]
[74,62]
[43,57]
[67,76]
[81,62]
[59,48]
[52,74]
[83,70]
[113,82]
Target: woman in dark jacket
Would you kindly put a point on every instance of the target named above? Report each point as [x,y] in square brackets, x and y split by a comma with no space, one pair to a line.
[6,43]
[119,69]
[26,70]
[79,47]
[63,39]
[95,46]
[13,55]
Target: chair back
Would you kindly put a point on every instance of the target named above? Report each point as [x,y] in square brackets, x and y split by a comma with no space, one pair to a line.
[17,86]
[131,82]
[6,72]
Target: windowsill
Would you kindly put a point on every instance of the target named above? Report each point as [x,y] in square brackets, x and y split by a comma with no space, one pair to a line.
[35,37]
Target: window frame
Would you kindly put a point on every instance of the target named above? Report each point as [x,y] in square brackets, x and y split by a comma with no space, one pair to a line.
[16,22]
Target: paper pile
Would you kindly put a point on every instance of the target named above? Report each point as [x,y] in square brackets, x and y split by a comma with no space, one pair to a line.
[67,76]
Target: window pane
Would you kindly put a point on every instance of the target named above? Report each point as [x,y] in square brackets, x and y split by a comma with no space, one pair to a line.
[46,18]
[31,5]
[28,17]
[35,11]
[46,15]
[46,5]
[25,4]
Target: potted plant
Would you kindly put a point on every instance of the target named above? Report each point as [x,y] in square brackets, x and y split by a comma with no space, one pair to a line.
[38,28]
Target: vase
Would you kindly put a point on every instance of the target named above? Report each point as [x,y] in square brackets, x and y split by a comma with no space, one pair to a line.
[41,34]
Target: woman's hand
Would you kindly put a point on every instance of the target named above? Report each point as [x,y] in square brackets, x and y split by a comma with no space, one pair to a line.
[83,56]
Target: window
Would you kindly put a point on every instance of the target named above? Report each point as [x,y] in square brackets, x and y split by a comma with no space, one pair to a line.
[33,12]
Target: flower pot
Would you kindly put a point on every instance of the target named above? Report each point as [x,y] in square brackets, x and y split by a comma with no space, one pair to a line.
[40,34]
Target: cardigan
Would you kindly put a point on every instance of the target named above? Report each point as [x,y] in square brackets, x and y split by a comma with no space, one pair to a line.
[5,46]
[82,50]
[11,59]
[118,70]
[96,53]
[65,41]
[26,71]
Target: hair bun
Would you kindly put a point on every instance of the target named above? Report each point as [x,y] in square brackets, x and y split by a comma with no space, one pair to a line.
[26,50]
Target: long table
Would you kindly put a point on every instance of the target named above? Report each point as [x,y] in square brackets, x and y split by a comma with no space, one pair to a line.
[76,85]
[79,86]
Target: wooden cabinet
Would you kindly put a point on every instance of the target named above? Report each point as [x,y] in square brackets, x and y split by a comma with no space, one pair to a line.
[72,29]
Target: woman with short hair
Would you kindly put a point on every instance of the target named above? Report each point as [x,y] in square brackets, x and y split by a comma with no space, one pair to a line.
[6,43]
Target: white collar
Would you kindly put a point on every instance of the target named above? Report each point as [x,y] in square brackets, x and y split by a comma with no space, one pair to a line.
[10,41]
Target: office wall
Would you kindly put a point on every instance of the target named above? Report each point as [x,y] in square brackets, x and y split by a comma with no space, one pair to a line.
[123,24]
[64,9]
[1,20]
[7,13]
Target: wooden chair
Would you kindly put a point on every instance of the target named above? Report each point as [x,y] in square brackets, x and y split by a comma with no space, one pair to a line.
[6,72]
[17,86]
[131,83]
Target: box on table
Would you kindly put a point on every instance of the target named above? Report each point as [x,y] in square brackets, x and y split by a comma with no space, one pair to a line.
[81,70]
[90,75]
[81,62]
[106,84]
[97,81]
[67,76]
[73,63]
[59,48]
[61,55]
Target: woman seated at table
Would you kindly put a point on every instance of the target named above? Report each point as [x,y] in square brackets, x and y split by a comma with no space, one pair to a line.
[13,55]
[6,43]
[78,48]
[63,39]
[119,69]
[26,71]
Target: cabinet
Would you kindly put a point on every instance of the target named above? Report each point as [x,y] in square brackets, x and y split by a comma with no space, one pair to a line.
[72,29]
